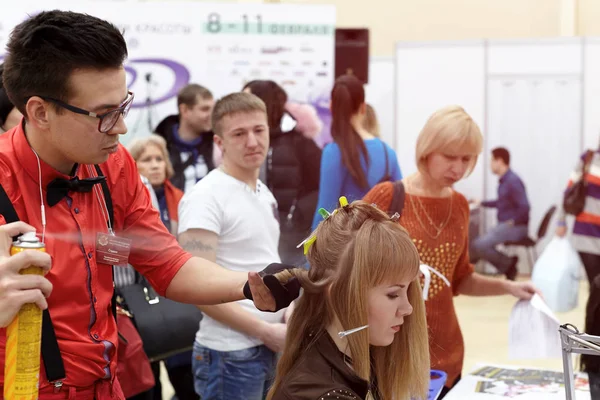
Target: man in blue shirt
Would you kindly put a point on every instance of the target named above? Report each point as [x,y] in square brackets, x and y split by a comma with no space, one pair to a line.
[513,217]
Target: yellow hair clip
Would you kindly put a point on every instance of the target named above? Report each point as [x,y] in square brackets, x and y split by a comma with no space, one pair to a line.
[309,243]
[343,201]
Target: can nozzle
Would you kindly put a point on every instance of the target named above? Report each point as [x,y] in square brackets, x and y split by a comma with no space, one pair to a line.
[30,237]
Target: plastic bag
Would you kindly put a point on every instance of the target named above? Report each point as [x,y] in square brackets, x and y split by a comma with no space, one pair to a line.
[533,331]
[556,275]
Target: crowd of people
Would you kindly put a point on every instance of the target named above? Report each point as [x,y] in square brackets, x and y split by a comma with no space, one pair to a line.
[304,261]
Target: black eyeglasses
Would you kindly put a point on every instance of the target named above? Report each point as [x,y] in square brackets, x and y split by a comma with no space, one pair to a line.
[107,120]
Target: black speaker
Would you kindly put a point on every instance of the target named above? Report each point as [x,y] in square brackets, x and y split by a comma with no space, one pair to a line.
[352,53]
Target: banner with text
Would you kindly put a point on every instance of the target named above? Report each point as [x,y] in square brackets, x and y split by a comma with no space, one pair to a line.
[220,46]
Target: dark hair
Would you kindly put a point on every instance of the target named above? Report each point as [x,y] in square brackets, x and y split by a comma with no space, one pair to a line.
[591,363]
[189,94]
[44,50]
[6,105]
[274,98]
[347,96]
[501,153]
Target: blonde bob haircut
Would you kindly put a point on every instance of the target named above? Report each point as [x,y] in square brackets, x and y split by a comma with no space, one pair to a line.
[449,131]
[357,248]
[138,147]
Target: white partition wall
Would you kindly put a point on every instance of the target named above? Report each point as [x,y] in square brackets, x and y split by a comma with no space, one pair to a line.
[430,76]
[380,94]
[534,108]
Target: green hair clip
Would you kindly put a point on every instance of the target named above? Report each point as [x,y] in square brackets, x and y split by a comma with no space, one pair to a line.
[324,213]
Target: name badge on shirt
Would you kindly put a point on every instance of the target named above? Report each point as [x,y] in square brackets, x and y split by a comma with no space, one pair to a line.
[112,250]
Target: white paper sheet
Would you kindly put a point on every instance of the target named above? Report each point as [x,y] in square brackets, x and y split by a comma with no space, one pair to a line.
[533,331]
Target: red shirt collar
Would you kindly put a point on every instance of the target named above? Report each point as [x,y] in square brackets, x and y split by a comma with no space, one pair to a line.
[28,161]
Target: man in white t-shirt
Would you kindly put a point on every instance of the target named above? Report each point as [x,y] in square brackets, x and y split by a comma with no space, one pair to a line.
[231,217]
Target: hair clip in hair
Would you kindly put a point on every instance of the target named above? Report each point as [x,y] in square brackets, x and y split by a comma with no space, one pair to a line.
[302,243]
[343,201]
[324,213]
[343,334]
[395,217]
[309,243]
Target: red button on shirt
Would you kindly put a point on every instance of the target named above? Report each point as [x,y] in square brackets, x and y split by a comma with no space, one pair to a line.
[80,303]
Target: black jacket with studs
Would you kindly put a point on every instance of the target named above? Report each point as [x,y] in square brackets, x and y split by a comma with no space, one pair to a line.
[321,373]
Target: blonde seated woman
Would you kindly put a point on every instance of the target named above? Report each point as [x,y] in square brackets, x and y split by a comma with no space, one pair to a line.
[364,270]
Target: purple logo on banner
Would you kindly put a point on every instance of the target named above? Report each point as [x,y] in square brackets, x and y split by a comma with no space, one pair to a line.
[181,73]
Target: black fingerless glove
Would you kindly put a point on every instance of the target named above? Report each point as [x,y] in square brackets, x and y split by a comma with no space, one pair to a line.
[283,294]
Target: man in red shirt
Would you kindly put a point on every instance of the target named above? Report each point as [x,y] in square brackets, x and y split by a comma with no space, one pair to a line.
[64,71]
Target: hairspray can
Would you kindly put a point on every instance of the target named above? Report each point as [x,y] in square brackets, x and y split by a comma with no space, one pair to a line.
[24,336]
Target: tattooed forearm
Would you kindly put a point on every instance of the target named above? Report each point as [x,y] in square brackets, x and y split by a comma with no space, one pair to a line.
[196,245]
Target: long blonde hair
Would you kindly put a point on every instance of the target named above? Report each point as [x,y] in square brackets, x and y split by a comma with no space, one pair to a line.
[357,248]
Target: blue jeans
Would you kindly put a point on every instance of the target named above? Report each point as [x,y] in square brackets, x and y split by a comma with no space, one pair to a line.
[484,247]
[243,374]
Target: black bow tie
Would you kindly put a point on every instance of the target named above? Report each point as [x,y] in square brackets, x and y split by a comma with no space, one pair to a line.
[59,187]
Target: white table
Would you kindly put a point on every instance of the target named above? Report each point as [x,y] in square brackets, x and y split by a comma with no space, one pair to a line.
[467,388]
